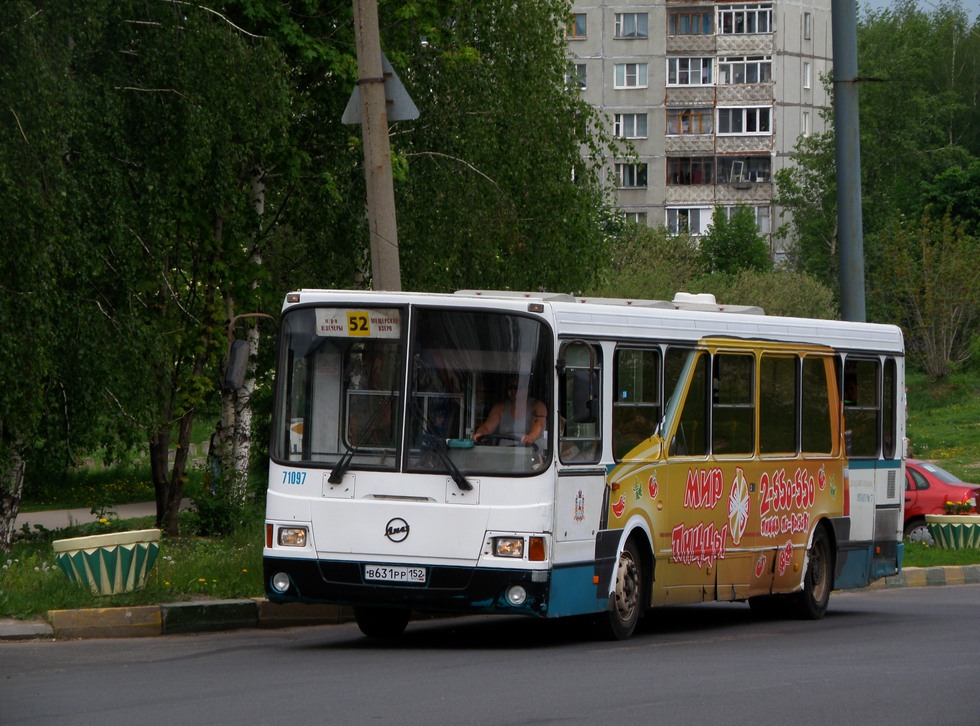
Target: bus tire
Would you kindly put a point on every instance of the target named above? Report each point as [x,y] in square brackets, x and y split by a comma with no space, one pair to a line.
[381,622]
[812,600]
[627,602]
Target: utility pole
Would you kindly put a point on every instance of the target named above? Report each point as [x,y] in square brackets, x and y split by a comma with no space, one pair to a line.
[850,235]
[385,265]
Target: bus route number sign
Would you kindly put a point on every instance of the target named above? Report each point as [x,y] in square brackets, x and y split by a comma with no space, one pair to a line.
[389,573]
[350,323]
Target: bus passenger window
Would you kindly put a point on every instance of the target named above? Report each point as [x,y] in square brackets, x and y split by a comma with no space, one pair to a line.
[691,432]
[580,390]
[888,405]
[778,405]
[817,416]
[636,408]
[861,406]
[733,405]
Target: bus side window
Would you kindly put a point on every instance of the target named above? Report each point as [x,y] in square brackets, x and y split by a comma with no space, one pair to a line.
[817,413]
[888,406]
[636,409]
[691,433]
[779,404]
[861,406]
[580,405]
[733,404]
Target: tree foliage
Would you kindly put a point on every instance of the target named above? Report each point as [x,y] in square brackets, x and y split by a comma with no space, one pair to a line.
[648,264]
[931,267]
[733,243]
[920,157]
[136,133]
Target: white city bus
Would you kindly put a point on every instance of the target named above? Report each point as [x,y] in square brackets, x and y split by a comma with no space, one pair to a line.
[682,451]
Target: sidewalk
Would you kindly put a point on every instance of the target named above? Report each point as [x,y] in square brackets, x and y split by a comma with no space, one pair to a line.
[61,518]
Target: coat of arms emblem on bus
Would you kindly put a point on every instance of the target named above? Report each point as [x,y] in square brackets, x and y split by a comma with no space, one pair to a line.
[580,507]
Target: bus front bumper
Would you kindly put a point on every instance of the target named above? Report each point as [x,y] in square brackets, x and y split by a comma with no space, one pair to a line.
[446,589]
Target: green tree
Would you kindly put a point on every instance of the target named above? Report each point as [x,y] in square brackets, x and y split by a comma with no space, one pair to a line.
[777,292]
[496,189]
[649,264]
[35,313]
[733,243]
[807,192]
[920,137]
[931,270]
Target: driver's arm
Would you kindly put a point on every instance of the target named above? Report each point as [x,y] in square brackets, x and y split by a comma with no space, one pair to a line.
[539,415]
[490,425]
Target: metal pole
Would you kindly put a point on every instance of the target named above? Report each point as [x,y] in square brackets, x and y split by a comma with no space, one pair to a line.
[385,265]
[848,154]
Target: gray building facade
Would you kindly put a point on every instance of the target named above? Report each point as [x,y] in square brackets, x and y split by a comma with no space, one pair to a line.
[712,96]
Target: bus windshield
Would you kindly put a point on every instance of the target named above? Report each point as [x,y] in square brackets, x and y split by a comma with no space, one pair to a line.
[342,399]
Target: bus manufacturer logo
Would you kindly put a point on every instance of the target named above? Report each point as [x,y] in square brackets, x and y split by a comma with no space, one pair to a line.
[396,530]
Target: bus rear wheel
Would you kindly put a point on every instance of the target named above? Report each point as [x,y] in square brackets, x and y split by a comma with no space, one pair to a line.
[381,622]
[811,602]
[627,606]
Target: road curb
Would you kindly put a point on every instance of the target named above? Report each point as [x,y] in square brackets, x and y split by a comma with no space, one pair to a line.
[215,615]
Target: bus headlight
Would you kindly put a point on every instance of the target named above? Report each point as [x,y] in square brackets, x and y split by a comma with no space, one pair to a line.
[508,547]
[292,537]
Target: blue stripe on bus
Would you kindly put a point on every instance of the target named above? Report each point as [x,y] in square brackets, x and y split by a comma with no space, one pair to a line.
[874,463]
[573,591]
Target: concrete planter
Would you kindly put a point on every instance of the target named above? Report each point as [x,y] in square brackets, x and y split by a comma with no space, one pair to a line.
[954,531]
[109,563]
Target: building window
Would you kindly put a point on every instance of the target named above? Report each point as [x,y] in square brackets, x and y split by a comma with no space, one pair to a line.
[689,71]
[693,121]
[762,219]
[694,220]
[744,169]
[631,75]
[806,123]
[631,25]
[631,176]
[630,125]
[807,25]
[745,69]
[745,19]
[806,74]
[691,21]
[575,78]
[687,170]
[639,218]
[578,28]
[744,121]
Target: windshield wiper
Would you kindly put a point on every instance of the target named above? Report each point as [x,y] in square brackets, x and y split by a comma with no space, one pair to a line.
[337,473]
[435,443]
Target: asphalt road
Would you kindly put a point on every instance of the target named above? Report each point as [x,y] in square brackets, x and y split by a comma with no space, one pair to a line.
[901,656]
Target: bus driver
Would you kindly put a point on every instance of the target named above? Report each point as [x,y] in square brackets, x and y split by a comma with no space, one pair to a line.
[520,418]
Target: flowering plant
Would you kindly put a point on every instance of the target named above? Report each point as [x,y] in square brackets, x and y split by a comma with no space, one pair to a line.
[962,507]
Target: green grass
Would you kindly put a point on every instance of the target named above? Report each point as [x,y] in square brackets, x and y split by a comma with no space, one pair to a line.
[187,568]
[944,421]
[920,555]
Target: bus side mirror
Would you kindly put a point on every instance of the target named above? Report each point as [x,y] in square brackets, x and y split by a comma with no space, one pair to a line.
[237,365]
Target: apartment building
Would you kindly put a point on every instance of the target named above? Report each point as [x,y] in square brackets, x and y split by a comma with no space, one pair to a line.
[713,97]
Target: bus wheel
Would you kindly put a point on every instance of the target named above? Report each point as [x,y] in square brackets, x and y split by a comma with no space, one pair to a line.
[381,622]
[622,618]
[812,601]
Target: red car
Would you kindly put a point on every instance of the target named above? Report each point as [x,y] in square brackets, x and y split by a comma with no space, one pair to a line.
[927,489]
